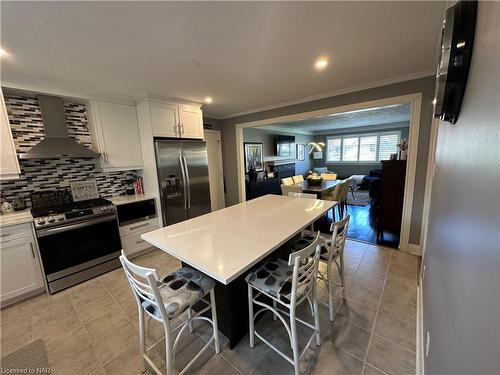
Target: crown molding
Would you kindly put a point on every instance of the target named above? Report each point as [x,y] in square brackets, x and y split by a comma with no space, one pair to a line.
[367,86]
[82,96]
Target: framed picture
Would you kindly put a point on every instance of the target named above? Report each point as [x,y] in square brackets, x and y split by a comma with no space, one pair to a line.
[301,152]
[253,156]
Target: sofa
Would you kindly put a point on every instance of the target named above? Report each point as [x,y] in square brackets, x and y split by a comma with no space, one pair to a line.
[372,183]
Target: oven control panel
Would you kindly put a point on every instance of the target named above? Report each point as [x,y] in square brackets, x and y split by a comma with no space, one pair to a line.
[74,215]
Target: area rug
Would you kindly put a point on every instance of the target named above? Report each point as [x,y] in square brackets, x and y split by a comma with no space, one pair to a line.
[30,359]
[361,198]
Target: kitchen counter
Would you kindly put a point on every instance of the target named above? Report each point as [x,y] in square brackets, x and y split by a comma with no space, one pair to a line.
[124,199]
[225,243]
[16,217]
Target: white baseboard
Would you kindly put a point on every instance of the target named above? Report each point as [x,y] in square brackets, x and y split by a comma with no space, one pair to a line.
[414,249]
[420,369]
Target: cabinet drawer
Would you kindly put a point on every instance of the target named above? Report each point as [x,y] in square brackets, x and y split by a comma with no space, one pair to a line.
[139,227]
[15,232]
[134,243]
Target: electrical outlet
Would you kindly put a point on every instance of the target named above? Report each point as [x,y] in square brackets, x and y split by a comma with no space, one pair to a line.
[427,344]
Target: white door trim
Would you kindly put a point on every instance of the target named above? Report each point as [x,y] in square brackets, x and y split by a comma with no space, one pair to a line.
[220,162]
[415,101]
[431,160]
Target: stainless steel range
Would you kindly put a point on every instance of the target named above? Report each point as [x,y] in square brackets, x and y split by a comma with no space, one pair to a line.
[77,240]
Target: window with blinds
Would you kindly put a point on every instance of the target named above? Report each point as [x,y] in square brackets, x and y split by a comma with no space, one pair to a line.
[333,149]
[363,147]
[387,146]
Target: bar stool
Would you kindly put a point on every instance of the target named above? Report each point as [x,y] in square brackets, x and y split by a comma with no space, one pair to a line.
[164,300]
[332,252]
[288,285]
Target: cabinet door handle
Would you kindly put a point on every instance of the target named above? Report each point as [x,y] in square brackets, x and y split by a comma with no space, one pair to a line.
[3,235]
[32,251]
[139,241]
[139,226]
[182,127]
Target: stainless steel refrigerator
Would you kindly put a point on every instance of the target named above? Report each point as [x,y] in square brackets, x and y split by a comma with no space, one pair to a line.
[183,179]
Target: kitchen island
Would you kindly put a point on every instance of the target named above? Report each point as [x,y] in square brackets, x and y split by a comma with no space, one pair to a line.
[225,244]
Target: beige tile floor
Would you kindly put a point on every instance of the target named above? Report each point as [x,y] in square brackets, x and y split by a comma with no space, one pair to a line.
[92,328]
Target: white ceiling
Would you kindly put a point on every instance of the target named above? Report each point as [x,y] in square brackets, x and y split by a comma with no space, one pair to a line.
[245,55]
[394,114]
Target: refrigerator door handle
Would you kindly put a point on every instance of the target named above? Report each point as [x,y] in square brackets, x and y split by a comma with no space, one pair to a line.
[184,182]
[188,183]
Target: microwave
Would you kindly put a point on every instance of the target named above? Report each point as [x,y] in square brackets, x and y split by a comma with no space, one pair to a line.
[129,213]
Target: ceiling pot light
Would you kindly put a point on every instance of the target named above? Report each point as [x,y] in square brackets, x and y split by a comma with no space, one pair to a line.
[3,52]
[208,99]
[321,63]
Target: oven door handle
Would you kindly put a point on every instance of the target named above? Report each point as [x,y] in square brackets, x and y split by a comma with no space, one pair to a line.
[65,228]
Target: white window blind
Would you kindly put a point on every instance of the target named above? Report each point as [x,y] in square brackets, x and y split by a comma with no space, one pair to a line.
[333,149]
[368,148]
[350,150]
[362,148]
[388,145]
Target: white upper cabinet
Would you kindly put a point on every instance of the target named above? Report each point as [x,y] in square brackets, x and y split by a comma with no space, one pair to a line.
[165,120]
[115,133]
[191,122]
[176,120]
[9,165]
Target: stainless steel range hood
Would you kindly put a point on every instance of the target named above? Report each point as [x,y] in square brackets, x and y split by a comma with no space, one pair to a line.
[56,143]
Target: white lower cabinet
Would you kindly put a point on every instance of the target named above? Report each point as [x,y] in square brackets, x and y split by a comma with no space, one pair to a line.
[132,242]
[21,273]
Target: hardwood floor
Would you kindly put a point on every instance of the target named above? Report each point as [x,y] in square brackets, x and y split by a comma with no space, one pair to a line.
[362,226]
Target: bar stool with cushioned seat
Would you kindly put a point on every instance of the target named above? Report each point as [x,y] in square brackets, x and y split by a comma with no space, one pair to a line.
[287,284]
[297,179]
[332,252]
[164,300]
[287,181]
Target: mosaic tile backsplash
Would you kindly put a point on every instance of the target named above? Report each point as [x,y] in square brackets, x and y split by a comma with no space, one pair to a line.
[50,174]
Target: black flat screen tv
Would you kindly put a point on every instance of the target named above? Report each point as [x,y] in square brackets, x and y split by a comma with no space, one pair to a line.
[285,145]
[457,41]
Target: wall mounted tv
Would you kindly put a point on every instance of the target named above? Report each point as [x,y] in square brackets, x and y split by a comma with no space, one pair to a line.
[457,40]
[285,146]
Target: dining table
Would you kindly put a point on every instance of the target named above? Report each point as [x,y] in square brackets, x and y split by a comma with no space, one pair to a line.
[322,189]
[227,243]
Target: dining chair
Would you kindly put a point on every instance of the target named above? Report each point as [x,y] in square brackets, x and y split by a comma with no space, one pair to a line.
[287,181]
[166,299]
[336,196]
[343,196]
[287,285]
[297,179]
[287,189]
[329,176]
[332,252]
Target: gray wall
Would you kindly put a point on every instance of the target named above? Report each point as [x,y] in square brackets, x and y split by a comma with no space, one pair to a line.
[461,287]
[213,123]
[267,138]
[346,170]
[423,85]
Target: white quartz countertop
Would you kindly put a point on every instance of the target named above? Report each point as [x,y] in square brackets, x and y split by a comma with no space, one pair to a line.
[16,217]
[124,199]
[225,243]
